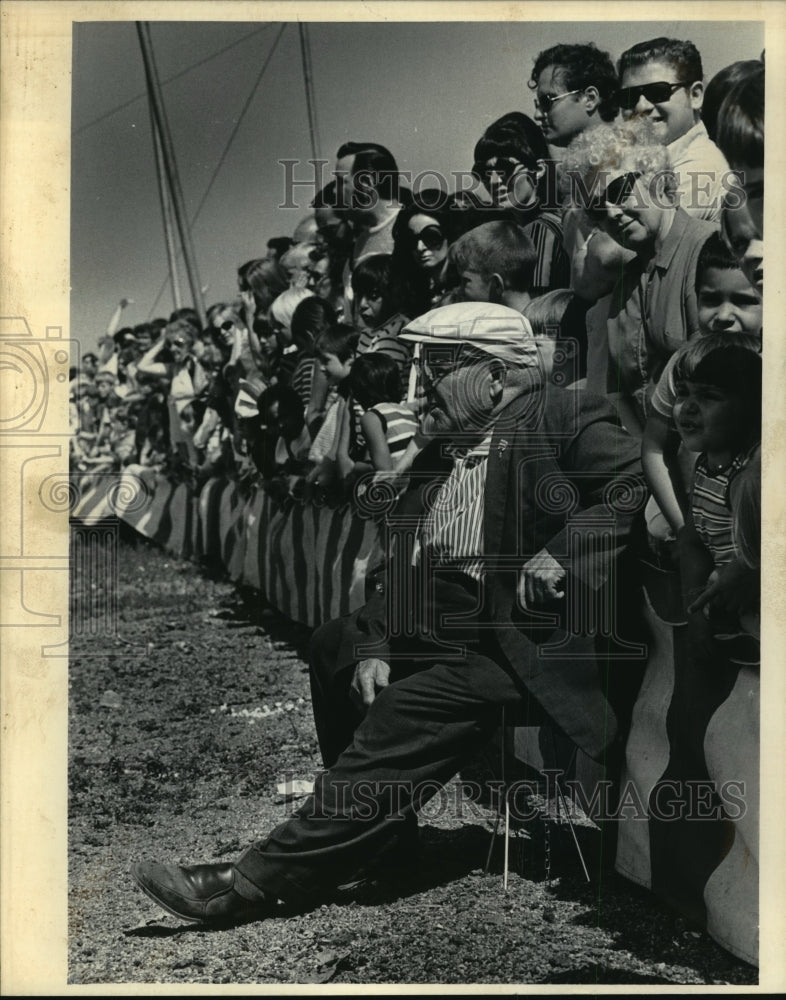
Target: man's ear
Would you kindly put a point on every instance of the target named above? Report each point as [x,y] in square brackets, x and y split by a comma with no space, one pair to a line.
[696,95]
[497,374]
[540,169]
[496,289]
[591,98]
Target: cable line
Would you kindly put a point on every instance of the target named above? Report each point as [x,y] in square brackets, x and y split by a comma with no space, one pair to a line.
[308,77]
[225,152]
[170,79]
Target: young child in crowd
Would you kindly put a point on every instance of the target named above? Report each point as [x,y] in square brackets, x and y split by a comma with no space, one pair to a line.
[495,262]
[718,414]
[377,317]
[312,318]
[336,350]
[281,450]
[387,424]
[727,306]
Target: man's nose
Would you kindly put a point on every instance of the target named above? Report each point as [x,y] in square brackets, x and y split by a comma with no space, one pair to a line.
[643,106]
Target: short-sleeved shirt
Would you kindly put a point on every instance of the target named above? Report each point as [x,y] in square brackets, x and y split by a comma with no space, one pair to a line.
[700,168]
[653,310]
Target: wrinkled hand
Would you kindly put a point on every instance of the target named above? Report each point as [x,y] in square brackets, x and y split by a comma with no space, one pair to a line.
[540,580]
[370,677]
[733,588]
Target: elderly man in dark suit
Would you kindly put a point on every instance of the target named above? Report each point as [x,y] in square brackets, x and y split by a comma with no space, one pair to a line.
[506,556]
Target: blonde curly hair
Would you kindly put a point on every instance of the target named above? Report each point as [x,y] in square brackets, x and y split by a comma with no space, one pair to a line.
[629,145]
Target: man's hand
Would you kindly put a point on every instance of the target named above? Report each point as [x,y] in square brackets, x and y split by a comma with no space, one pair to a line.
[370,677]
[733,588]
[540,580]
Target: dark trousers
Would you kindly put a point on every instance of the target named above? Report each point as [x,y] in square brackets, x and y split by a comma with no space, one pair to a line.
[435,714]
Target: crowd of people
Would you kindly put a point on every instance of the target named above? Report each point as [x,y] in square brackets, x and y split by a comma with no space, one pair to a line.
[599,287]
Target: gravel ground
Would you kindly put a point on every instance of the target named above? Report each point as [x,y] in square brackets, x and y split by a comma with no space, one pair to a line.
[180,730]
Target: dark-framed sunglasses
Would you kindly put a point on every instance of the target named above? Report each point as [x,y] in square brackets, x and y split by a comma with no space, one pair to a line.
[227,325]
[505,169]
[615,194]
[431,237]
[659,92]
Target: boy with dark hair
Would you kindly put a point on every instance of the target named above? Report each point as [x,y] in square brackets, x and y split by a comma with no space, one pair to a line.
[662,80]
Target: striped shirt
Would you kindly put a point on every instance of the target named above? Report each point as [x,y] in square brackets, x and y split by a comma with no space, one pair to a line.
[710,507]
[452,531]
[385,340]
[398,422]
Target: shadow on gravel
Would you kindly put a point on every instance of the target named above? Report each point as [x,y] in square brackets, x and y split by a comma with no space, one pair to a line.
[602,977]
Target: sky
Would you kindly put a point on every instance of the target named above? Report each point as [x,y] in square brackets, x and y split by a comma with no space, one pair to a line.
[425,90]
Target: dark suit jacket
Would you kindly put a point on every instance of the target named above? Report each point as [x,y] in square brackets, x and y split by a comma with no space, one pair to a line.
[562,474]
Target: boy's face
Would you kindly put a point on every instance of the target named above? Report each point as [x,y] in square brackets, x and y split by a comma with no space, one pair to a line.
[334,368]
[727,303]
[475,287]
[743,239]
[673,116]
[711,419]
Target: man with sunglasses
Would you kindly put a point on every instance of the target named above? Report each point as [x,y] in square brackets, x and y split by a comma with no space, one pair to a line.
[513,526]
[662,81]
[574,89]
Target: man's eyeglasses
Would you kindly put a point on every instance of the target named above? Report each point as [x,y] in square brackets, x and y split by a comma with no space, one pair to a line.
[431,237]
[656,93]
[615,194]
[544,102]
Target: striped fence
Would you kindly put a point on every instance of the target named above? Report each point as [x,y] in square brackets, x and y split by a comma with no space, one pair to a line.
[310,563]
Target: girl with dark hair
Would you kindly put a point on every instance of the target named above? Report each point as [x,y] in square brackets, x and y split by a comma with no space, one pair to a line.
[387,425]
[378,317]
[513,164]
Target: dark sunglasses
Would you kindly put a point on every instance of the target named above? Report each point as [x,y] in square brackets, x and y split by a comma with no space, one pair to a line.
[619,189]
[544,102]
[228,324]
[431,237]
[656,93]
[505,169]
[179,342]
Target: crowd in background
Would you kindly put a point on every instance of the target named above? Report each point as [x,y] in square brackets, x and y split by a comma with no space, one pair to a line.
[623,221]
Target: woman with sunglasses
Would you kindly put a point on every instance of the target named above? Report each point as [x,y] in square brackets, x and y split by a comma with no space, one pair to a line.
[422,233]
[621,177]
[512,162]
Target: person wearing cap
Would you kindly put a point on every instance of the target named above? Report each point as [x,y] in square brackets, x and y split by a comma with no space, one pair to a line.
[524,502]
